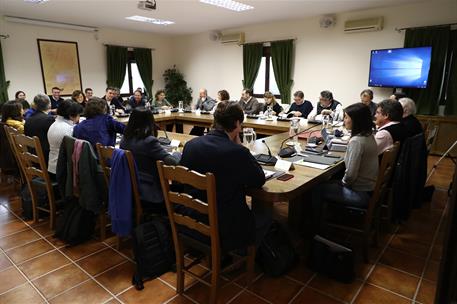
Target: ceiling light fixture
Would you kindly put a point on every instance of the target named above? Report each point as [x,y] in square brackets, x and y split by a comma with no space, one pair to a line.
[229,4]
[36,1]
[149,20]
[68,26]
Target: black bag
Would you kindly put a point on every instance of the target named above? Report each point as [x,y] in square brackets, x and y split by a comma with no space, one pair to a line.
[276,255]
[331,259]
[26,201]
[76,225]
[153,250]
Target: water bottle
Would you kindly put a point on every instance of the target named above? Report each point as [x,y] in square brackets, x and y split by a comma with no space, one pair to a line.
[180,106]
[147,105]
[112,110]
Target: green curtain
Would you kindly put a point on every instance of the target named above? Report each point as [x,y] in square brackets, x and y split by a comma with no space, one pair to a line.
[143,59]
[451,102]
[252,57]
[283,59]
[116,63]
[3,83]
[427,100]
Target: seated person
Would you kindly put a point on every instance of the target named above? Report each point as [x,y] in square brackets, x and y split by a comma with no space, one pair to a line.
[366,97]
[235,169]
[20,97]
[68,114]
[140,137]
[112,101]
[12,115]
[204,103]
[137,100]
[38,124]
[88,92]
[222,95]
[388,120]
[78,97]
[117,95]
[160,102]
[397,96]
[98,127]
[300,107]
[361,161]
[55,99]
[327,106]
[270,101]
[411,123]
[249,104]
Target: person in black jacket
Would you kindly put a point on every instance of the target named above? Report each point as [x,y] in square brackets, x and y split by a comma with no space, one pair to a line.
[38,124]
[300,107]
[55,99]
[140,137]
[221,153]
[411,123]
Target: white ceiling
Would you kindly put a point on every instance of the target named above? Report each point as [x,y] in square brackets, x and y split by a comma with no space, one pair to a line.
[190,16]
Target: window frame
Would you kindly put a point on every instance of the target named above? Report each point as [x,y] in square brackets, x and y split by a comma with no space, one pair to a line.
[130,60]
[267,54]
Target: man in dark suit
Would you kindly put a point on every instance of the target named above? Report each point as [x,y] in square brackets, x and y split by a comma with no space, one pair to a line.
[204,103]
[409,120]
[111,100]
[38,124]
[249,104]
[55,99]
[235,169]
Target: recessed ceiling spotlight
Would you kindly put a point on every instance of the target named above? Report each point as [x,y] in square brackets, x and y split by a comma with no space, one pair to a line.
[229,4]
[149,20]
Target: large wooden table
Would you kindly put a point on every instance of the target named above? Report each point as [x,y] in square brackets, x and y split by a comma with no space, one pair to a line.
[274,190]
[261,126]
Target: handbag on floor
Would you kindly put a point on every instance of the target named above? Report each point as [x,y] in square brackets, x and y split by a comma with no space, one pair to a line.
[276,254]
[153,250]
[331,259]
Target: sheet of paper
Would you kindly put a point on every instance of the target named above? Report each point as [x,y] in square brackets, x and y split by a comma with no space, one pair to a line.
[283,165]
[312,165]
[175,143]
[268,173]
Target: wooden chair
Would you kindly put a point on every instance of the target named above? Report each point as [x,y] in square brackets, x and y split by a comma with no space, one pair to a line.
[9,132]
[207,182]
[105,154]
[367,219]
[35,169]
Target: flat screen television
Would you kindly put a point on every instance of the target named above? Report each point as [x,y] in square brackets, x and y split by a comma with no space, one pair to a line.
[400,68]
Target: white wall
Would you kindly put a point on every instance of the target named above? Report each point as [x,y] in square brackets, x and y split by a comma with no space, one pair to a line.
[324,58]
[22,63]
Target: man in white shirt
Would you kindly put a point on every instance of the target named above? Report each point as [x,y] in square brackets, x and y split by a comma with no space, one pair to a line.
[388,116]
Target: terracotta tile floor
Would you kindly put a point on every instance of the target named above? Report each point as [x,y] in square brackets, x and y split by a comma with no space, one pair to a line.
[36,268]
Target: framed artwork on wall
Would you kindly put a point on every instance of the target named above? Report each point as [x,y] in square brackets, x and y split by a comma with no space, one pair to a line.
[60,65]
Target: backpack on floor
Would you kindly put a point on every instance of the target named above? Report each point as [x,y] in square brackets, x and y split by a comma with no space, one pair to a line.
[153,250]
[76,225]
[276,254]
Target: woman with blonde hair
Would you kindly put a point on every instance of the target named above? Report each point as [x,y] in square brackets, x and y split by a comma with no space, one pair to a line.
[270,101]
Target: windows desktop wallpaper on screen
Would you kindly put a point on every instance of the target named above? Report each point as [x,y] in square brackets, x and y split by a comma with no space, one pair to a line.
[400,68]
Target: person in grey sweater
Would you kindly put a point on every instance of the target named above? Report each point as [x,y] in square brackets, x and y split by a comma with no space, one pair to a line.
[361,161]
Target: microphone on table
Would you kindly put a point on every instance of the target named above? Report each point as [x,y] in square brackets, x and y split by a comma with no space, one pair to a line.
[164,141]
[265,159]
[289,151]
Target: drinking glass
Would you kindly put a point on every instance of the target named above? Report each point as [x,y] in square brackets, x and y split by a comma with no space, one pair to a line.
[180,106]
[249,136]
[294,129]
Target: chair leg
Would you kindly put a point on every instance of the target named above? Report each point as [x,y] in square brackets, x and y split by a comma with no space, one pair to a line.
[250,265]
[214,285]
[179,270]
[102,220]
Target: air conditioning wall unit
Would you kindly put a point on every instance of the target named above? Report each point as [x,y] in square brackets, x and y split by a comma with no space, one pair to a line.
[233,38]
[364,25]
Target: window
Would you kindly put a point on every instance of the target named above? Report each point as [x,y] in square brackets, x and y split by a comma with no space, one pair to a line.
[132,79]
[266,80]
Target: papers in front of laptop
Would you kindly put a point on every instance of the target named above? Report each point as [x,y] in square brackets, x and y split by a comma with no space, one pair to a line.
[312,165]
[268,173]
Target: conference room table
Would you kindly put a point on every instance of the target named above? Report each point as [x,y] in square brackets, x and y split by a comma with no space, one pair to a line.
[296,190]
[262,126]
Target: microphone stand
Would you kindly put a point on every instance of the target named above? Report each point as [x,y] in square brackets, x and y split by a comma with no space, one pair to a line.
[289,151]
